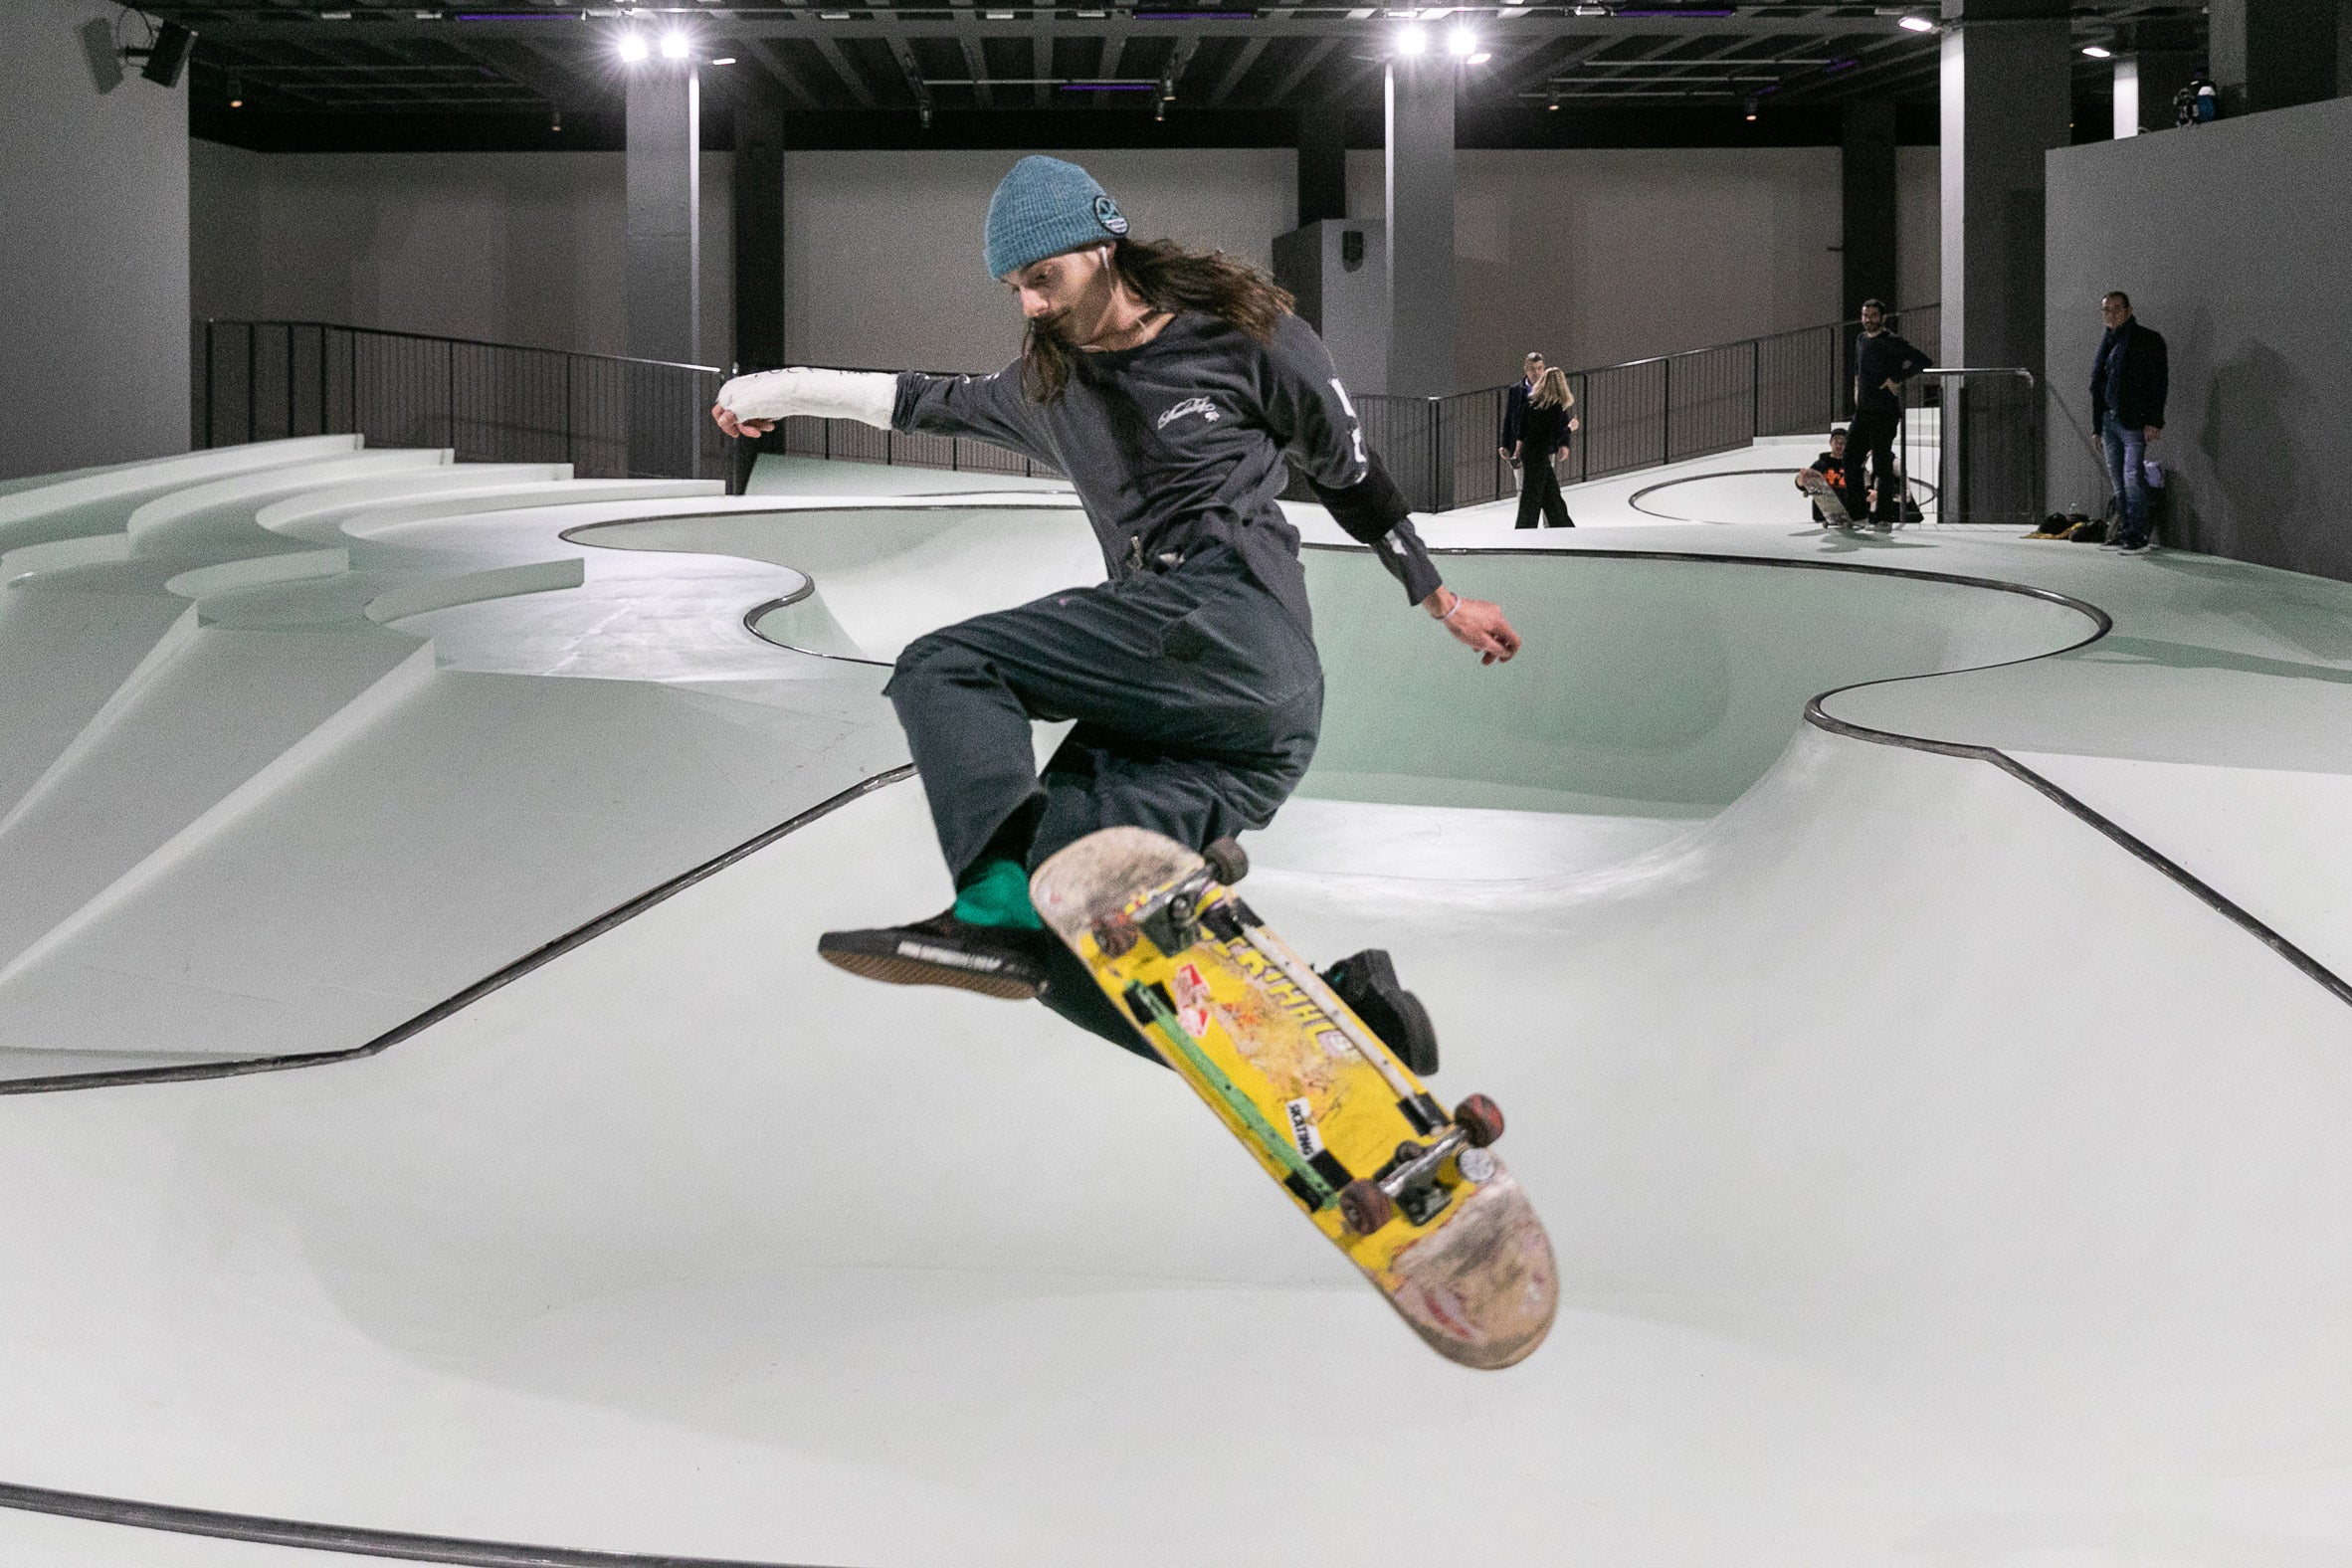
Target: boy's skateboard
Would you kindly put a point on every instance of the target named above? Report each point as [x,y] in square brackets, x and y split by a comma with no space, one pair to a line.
[1409,1193]
[1827,500]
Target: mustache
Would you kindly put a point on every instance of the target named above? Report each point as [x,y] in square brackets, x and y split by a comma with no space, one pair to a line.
[1052,331]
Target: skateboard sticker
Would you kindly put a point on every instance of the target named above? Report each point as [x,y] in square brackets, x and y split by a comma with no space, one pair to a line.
[1191,1001]
[1302,1128]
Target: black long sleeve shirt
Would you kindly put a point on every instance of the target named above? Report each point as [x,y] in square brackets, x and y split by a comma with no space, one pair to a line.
[1183,439]
[1877,360]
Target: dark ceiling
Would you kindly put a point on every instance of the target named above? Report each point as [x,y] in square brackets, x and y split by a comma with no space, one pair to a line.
[524,74]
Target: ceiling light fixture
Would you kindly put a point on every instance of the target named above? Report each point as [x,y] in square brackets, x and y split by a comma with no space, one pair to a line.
[1915,23]
[2098,51]
[1461,42]
[236,93]
[674,46]
[1411,41]
[632,47]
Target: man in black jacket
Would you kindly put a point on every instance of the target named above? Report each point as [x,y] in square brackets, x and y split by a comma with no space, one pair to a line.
[1883,362]
[2128,381]
[1515,409]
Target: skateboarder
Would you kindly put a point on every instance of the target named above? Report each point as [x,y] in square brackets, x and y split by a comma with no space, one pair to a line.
[1829,470]
[1170,387]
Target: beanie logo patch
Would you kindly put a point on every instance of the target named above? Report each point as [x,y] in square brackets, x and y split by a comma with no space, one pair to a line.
[1108,214]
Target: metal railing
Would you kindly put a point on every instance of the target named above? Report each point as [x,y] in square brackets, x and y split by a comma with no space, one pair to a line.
[1442,451]
[614,417]
[1989,454]
[609,416]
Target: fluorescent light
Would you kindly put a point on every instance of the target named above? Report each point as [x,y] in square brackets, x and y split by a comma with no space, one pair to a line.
[724,60]
[1917,24]
[1461,42]
[674,46]
[2099,50]
[1481,58]
[1411,41]
[632,47]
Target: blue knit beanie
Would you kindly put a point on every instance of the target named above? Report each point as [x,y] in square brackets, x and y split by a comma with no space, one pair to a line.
[1043,207]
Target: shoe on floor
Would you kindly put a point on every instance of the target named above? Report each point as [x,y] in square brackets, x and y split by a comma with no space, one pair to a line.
[943,950]
[1367,982]
[2139,547]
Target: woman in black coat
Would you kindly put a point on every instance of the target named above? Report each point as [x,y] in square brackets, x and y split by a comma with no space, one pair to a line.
[1544,438]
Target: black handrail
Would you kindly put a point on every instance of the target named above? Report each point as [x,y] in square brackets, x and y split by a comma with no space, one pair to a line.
[611,415]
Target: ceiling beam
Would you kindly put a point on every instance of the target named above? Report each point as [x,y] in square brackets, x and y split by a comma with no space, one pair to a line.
[1309,57]
[1237,70]
[830,48]
[787,74]
[976,62]
[227,26]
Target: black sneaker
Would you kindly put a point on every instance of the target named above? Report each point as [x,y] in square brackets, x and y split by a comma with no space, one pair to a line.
[1367,982]
[943,950]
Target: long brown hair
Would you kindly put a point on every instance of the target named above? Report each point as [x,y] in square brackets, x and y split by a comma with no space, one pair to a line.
[1166,277]
[1553,391]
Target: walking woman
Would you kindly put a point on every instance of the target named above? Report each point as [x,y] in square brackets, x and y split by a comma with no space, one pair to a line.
[1543,439]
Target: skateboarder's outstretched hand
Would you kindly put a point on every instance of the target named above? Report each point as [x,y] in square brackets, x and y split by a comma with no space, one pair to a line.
[1475,623]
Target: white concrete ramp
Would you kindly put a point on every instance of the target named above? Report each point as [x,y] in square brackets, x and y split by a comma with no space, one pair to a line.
[1935,1179]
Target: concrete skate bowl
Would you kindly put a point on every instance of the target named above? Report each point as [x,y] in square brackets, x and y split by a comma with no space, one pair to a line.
[1652,685]
[1890,1231]
[1745,496]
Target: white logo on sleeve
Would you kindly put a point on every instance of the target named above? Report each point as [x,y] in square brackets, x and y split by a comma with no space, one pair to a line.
[1356,426]
[1191,405]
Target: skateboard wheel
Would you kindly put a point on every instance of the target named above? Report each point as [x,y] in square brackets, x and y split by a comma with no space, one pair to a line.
[1364,1208]
[1227,862]
[1116,937]
[1480,1118]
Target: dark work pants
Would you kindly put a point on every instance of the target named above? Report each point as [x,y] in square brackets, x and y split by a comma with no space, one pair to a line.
[1198,701]
[1872,435]
[1540,486]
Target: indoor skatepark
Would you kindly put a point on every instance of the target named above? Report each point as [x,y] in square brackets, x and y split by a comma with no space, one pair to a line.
[1910,965]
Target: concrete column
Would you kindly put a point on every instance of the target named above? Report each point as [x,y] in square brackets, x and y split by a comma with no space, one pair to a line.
[759,224]
[1867,178]
[2271,53]
[665,173]
[1323,168]
[2006,95]
[1419,226]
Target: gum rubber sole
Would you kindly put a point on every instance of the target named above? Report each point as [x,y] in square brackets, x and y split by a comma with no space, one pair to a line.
[892,969]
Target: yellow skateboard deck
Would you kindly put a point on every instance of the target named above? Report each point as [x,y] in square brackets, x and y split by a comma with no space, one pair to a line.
[1408,1191]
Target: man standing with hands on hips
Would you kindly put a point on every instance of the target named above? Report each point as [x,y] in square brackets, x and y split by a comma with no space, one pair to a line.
[1170,387]
[2128,381]
[1883,362]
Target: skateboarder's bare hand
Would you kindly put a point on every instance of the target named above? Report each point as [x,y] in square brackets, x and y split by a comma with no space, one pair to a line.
[1476,623]
[739,427]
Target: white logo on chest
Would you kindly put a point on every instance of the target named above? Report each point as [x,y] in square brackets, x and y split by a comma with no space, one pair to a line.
[1191,405]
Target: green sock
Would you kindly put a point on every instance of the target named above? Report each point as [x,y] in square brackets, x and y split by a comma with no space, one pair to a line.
[997,894]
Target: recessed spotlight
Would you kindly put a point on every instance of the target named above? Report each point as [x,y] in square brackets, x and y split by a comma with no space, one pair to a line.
[236,95]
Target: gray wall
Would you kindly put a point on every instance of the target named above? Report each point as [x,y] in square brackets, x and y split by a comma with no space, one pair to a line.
[505,247]
[93,247]
[1593,255]
[2231,240]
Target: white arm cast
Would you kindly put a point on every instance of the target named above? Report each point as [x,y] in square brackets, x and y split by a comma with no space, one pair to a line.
[868,396]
